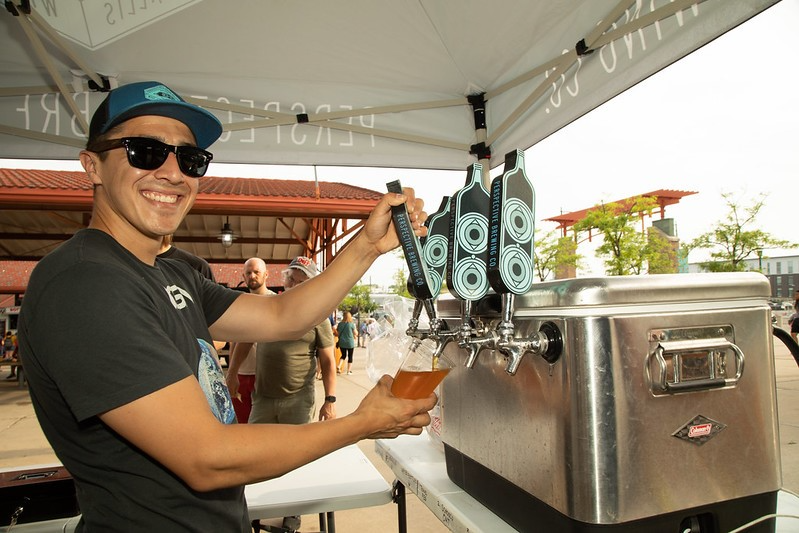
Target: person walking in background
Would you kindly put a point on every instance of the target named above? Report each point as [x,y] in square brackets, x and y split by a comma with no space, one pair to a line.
[125,386]
[346,339]
[364,332]
[255,275]
[8,345]
[337,347]
[373,329]
[793,321]
[10,349]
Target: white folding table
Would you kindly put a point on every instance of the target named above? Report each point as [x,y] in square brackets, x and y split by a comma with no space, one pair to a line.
[344,479]
[419,464]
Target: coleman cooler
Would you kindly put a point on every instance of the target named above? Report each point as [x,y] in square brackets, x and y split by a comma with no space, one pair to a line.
[659,415]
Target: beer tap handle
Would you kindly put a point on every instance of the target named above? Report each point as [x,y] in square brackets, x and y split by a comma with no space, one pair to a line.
[511,229]
[411,246]
[436,244]
[467,253]
[468,238]
[434,255]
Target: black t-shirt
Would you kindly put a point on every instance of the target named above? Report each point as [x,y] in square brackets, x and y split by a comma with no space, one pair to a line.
[197,263]
[98,329]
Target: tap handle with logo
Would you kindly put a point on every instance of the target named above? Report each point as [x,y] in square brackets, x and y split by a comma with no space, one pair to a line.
[468,238]
[434,246]
[411,247]
[511,228]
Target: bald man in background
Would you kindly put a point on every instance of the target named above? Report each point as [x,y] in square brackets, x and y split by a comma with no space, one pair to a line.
[255,276]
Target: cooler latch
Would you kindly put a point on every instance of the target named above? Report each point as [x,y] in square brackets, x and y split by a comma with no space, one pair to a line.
[693,359]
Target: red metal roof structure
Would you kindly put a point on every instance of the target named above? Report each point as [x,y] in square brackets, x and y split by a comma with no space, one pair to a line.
[664,197]
[273,219]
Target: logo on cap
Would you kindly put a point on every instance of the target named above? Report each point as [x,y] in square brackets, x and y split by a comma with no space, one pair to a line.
[160,92]
[304,261]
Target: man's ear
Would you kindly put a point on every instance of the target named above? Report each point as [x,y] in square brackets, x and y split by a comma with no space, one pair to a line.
[90,163]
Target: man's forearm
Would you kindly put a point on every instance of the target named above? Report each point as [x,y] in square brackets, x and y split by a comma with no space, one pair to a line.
[238,355]
[329,288]
[327,362]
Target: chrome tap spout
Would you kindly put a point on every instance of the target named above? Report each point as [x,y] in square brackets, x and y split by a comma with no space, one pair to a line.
[474,344]
[437,330]
[413,323]
[546,342]
[512,348]
[514,351]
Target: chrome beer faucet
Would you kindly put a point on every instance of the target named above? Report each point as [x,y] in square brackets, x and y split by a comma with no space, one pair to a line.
[506,341]
[546,342]
[470,338]
[436,332]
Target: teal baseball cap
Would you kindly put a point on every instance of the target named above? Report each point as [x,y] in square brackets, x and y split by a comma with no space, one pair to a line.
[153,98]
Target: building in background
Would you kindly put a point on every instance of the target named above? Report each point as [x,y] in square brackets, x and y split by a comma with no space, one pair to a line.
[782,273]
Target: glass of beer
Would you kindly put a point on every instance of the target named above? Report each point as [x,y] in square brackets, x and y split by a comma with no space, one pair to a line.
[421,371]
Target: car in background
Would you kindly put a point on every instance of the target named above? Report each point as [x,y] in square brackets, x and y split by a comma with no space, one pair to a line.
[780,311]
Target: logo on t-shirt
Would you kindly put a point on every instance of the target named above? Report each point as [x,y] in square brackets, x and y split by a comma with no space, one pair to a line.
[178,296]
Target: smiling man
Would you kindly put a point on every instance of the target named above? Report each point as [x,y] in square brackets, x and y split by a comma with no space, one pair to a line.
[117,344]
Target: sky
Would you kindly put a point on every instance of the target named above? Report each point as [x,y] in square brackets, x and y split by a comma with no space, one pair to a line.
[724,119]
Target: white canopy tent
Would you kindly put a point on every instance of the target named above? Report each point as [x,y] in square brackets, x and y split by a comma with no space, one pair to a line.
[414,84]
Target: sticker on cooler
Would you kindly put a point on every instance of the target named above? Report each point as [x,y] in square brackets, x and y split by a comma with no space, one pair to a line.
[699,430]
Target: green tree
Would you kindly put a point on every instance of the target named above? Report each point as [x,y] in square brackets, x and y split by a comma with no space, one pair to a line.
[552,253]
[731,241]
[626,249]
[358,299]
[400,285]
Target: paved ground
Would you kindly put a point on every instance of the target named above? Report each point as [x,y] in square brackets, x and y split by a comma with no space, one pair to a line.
[22,443]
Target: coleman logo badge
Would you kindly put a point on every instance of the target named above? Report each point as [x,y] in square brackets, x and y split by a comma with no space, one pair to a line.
[699,430]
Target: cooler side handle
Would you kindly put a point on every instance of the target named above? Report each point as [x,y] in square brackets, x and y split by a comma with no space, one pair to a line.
[714,348]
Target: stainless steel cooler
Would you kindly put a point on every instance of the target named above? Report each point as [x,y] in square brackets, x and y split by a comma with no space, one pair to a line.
[660,414]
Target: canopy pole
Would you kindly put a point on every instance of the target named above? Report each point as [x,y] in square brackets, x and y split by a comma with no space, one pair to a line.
[38,48]
[62,45]
[602,34]
[46,137]
[480,149]
[291,118]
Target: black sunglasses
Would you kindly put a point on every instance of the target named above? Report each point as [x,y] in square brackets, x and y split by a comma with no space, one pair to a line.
[150,154]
